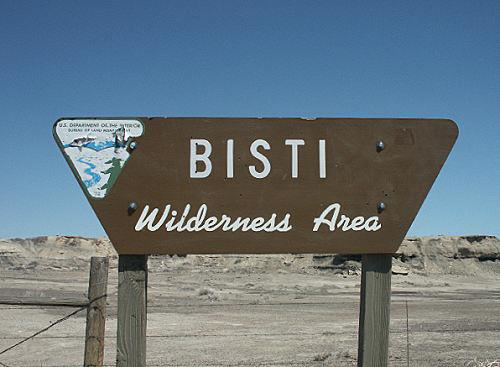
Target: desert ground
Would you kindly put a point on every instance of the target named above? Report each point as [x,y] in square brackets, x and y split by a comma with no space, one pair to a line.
[255,310]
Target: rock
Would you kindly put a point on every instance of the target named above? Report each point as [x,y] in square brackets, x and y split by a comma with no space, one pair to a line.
[400,270]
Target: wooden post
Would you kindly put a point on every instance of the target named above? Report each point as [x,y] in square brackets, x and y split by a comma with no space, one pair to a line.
[132,317]
[96,312]
[373,338]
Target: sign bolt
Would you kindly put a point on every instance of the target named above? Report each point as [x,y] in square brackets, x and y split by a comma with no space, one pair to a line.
[132,146]
[381,207]
[380,146]
[132,207]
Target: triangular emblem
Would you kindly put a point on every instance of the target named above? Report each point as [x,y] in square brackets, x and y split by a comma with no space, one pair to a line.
[97,150]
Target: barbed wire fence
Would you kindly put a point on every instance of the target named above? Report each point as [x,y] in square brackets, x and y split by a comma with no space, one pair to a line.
[42,330]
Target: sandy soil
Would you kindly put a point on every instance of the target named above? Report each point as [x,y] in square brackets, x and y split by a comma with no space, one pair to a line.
[279,310]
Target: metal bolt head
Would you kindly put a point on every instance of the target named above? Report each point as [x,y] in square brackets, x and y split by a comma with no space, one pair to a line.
[132,207]
[132,145]
[380,146]
[381,207]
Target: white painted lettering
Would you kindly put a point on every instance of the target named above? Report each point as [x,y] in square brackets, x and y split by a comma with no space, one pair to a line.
[148,220]
[200,222]
[345,223]
[195,157]
[230,158]
[294,143]
[322,159]
[267,166]
[372,224]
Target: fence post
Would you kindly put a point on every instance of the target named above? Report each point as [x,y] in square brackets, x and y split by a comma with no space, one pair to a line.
[374,311]
[96,312]
[132,315]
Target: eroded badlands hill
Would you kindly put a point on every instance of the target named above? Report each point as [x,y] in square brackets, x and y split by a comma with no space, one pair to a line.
[464,255]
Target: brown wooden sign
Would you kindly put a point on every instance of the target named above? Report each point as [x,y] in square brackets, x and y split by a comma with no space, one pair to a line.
[252,185]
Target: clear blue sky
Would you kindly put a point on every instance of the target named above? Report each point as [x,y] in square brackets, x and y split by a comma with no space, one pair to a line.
[246,58]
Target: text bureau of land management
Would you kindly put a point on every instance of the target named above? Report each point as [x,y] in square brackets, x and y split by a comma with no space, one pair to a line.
[331,217]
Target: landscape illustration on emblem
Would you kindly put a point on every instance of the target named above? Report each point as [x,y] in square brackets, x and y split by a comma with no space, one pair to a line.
[97,150]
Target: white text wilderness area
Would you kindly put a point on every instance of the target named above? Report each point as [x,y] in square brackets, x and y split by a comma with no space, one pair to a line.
[170,220]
